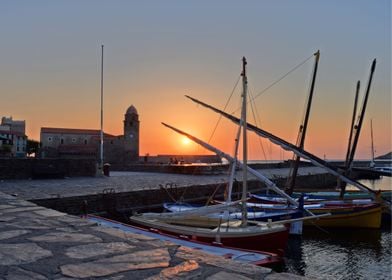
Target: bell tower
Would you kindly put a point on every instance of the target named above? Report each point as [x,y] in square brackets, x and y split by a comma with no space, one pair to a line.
[131,134]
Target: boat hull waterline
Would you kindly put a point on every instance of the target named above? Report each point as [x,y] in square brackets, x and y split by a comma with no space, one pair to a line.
[366,216]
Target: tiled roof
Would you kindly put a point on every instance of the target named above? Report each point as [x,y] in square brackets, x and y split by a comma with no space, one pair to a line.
[69,130]
[72,131]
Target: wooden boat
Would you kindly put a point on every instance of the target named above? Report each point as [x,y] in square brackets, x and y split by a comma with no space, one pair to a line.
[254,214]
[197,225]
[259,258]
[253,236]
[308,199]
[348,216]
[348,195]
[344,214]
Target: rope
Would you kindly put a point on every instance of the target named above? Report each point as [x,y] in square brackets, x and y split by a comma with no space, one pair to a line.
[300,132]
[213,194]
[254,109]
[227,103]
[277,81]
[167,192]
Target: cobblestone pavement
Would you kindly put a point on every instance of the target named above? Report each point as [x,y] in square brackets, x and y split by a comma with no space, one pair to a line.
[123,182]
[39,243]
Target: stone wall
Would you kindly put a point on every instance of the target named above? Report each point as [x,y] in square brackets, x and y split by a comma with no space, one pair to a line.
[124,203]
[31,168]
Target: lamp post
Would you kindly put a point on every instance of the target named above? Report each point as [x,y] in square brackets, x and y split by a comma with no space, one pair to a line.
[101,139]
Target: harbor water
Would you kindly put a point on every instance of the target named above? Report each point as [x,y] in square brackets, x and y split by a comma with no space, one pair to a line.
[343,254]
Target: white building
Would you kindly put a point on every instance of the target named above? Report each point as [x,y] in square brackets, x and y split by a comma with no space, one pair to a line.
[13,139]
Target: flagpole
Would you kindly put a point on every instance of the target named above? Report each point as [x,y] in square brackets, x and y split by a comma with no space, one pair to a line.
[101,140]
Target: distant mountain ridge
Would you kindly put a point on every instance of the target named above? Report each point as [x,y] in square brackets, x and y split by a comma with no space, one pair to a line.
[386,156]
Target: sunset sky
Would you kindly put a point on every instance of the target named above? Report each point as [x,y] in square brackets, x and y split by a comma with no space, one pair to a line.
[158,51]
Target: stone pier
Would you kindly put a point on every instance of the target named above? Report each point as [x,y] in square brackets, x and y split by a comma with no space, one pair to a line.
[40,243]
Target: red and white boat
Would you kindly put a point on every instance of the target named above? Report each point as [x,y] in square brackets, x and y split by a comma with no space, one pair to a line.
[266,259]
[254,236]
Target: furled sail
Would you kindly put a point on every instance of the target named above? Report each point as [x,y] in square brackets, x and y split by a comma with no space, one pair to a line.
[268,182]
[205,210]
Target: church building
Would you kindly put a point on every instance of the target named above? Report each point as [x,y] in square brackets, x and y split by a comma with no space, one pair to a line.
[85,143]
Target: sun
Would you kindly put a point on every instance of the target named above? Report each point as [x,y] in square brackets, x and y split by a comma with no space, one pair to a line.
[185,140]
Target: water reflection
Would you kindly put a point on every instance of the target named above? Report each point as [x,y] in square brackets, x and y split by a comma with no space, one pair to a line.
[344,254]
[295,261]
[341,254]
[384,183]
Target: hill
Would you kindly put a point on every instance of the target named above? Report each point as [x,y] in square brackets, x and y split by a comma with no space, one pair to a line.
[386,156]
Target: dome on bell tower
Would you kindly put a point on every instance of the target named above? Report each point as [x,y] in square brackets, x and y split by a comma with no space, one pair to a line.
[131,110]
[131,133]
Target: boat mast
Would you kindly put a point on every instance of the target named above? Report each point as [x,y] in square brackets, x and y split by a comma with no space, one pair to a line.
[358,128]
[245,143]
[372,163]
[233,165]
[302,131]
[101,132]
[346,163]
[352,124]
